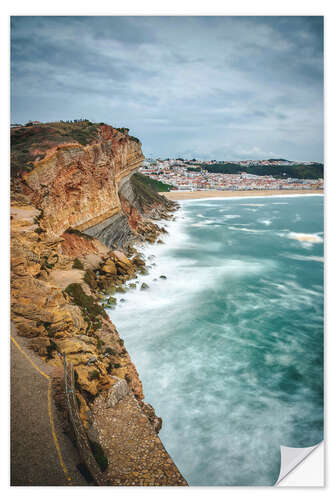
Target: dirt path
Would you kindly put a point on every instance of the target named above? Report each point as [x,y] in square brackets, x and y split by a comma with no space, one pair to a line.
[41,454]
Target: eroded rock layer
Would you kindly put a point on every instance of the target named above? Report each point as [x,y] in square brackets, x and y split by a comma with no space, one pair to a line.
[77,186]
[76,211]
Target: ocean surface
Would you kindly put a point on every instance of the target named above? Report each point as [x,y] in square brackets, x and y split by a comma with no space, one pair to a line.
[230,346]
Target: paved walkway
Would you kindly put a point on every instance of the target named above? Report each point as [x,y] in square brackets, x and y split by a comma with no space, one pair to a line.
[41,454]
[139,459]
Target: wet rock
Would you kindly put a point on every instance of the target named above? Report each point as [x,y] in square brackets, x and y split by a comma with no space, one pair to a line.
[144,286]
[149,411]
[138,261]
[163,277]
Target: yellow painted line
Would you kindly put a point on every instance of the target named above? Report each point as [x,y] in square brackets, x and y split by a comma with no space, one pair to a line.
[49,407]
[30,360]
[64,468]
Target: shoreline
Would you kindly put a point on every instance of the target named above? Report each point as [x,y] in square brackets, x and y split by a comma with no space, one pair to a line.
[196,195]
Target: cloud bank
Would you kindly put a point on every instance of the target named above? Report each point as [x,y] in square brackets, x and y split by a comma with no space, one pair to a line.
[205,87]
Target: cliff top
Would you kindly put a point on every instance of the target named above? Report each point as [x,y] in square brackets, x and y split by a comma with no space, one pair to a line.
[31,141]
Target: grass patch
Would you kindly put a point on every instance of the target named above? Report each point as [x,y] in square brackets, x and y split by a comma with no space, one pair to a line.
[142,182]
[90,279]
[110,351]
[145,194]
[100,344]
[77,264]
[30,143]
[91,310]
[99,455]
[93,375]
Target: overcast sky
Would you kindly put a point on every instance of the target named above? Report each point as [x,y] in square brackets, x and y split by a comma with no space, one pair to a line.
[205,87]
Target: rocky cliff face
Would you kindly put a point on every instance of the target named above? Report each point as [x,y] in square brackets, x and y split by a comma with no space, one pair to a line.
[77,186]
[75,210]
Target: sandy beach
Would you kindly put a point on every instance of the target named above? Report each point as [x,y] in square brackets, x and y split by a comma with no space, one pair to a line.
[191,195]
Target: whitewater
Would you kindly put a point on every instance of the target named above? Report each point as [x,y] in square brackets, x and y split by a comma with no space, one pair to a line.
[230,346]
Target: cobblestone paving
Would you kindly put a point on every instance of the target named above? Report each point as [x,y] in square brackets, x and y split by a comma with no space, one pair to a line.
[135,453]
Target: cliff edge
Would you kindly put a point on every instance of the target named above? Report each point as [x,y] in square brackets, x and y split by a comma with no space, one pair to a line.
[77,207]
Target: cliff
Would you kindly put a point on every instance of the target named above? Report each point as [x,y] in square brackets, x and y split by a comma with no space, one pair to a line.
[76,211]
[76,185]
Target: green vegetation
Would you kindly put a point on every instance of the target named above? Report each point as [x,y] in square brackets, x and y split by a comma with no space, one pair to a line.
[134,139]
[156,186]
[31,142]
[45,264]
[145,195]
[123,130]
[100,344]
[99,455]
[278,171]
[90,279]
[93,375]
[77,264]
[50,349]
[110,351]
[87,304]
[82,468]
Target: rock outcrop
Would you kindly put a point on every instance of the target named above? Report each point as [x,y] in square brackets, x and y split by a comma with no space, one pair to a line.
[75,214]
[77,186]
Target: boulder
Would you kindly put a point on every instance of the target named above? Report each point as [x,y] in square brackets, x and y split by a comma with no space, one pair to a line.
[117,392]
[123,264]
[109,267]
[138,261]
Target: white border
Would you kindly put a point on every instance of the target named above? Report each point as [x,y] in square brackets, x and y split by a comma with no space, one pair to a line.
[144,7]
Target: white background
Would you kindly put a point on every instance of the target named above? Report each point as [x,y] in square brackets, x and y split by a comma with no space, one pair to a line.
[157,7]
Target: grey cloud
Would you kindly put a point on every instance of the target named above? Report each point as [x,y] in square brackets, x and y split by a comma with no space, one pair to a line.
[207,85]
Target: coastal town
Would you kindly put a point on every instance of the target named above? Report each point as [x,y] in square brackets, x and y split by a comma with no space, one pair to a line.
[192,175]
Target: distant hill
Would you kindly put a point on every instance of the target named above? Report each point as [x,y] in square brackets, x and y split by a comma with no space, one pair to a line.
[277,159]
[315,171]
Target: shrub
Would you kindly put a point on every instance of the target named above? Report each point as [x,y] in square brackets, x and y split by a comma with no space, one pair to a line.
[77,264]
[100,344]
[90,279]
[99,455]
[93,375]
[110,351]
[88,305]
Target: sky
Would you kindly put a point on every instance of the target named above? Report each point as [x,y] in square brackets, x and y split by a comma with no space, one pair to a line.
[225,88]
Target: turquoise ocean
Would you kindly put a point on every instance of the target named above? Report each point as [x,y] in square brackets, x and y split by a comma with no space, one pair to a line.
[230,346]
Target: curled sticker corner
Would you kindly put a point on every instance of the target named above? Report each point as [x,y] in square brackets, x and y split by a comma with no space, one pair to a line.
[291,458]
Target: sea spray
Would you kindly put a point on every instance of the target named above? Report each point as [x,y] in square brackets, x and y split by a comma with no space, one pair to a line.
[230,346]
